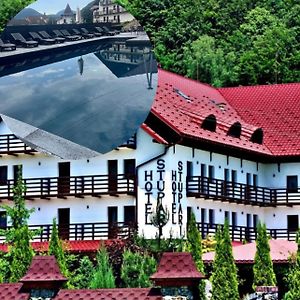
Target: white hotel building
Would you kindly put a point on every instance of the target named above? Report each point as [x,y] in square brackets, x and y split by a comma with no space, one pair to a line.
[222,153]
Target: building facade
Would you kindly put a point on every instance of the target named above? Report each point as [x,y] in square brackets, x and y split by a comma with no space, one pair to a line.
[110,11]
[219,153]
[68,16]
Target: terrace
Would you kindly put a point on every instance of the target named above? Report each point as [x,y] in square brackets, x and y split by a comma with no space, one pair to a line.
[78,186]
[244,233]
[84,231]
[217,189]
[11,145]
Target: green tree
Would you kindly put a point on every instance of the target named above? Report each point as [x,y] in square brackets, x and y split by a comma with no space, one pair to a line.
[136,269]
[194,246]
[56,249]
[207,63]
[293,277]
[263,267]
[224,276]
[103,276]
[9,8]
[159,219]
[83,275]
[257,43]
[18,236]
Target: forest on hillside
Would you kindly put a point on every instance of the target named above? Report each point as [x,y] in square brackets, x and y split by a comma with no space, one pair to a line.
[223,43]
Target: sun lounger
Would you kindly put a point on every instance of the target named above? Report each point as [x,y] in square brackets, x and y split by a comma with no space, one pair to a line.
[35,36]
[20,40]
[85,35]
[7,46]
[100,30]
[45,35]
[84,30]
[110,32]
[58,33]
[67,33]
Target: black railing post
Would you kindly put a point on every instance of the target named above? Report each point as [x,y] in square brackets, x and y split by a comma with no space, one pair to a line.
[93,231]
[8,144]
[76,231]
[48,232]
[8,188]
[93,183]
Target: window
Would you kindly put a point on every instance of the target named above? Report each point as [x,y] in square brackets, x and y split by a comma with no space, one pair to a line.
[234,177]
[189,169]
[203,215]
[129,214]
[16,170]
[255,180]
[233,219]
[203,178]
[3,175]
[129,168]
[211,216]
[248,220]
[292,184]
[292,222]
[226,216]
[235,130]
[255,221]
[210,123]
[211,173]
[3,220]
[203,170]
[257,136]
[248,179]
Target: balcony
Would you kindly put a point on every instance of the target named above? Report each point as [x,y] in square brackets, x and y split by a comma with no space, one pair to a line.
[131,143]
[11,145]
[217,189]
[76,186]
[244,233]
[84,231]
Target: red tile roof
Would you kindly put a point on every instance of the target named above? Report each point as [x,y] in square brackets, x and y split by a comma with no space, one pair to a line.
[11,291]
[154,134]
[176,265]
[71,246]
[43,268]
[274,108]
[110,294]
[183,104]
[281,251]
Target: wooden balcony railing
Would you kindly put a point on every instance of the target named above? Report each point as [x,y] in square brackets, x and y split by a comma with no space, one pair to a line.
[10,144]
[93,185]
[198,186]
[84,231]
[244,233]
[131,143]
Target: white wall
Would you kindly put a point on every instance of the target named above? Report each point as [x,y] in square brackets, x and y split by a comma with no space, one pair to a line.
[175,163]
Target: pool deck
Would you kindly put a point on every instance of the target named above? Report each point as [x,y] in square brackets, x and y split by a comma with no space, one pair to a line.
[27,58]
[21,51]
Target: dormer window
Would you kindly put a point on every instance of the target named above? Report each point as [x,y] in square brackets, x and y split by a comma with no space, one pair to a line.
[257,136]
[210,123]
[235,130]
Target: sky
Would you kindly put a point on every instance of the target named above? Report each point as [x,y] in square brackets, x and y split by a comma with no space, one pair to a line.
[53,6]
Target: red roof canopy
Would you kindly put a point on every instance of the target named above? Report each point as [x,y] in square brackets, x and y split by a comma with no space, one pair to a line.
[176,269]
[281,250]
